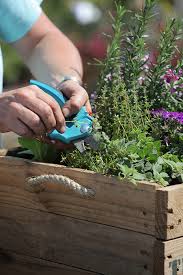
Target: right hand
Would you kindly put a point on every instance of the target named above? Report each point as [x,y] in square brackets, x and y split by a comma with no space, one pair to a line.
[29,112]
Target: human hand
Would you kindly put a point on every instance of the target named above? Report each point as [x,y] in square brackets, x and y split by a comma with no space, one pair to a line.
[77,98]
[30,112]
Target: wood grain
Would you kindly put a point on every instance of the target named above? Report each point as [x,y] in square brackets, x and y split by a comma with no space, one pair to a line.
[16,264]
[173,256]
[169,257]
[117,203]
[94,247]
[169,212]
[116,232]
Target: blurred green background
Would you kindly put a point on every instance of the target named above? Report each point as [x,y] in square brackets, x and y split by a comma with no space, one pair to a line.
[84,22]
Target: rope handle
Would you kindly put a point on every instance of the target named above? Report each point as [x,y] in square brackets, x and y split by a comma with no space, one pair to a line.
[37,184]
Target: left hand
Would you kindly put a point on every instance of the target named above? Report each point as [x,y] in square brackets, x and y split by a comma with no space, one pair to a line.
[77,98]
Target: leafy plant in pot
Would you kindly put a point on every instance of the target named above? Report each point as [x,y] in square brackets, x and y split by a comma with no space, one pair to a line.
[138,111]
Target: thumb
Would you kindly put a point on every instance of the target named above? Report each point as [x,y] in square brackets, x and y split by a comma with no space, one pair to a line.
[72,106]
[88,107]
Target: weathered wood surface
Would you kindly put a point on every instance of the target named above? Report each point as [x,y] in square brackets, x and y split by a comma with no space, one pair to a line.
[145,208]
[116,203]
[98,235]
[169,212]
[16,264]
[94,247]
[169,257]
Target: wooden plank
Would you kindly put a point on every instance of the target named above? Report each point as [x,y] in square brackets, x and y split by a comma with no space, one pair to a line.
[169,212]
[159,259]
[85,245]
[173,255]
[161,214]
[16,264]
[169,257]
[116,203]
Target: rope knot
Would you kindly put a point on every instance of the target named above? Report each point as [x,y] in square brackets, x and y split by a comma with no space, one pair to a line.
[37,184]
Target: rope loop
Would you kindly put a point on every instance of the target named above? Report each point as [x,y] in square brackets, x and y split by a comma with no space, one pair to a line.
[37,184]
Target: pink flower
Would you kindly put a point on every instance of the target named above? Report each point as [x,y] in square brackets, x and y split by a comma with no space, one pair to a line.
[170,76]
[146,58]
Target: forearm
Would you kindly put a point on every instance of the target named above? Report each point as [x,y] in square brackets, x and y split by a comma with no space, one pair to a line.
[53,57]
[48,53]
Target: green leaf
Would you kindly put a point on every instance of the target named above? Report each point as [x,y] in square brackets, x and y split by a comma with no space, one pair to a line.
[40,151]
[139,176]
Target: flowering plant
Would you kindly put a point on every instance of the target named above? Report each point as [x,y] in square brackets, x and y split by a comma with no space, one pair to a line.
[138,105]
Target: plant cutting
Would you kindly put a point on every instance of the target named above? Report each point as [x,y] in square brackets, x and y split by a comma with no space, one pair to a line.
[138,118]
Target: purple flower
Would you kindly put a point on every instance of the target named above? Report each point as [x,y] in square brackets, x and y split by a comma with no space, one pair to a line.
[180,73]
[177,116]
[93,95]
[173,81]
[170,76]
[172,90]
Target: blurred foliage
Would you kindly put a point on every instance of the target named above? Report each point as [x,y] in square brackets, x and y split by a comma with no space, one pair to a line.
[60,14]
[58,11]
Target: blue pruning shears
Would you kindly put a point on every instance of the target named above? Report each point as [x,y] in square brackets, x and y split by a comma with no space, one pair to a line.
[78,129]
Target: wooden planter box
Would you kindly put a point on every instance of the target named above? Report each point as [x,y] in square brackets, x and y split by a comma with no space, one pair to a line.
[123,230]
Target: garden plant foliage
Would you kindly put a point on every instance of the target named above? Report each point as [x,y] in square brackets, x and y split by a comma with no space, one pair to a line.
[138,103]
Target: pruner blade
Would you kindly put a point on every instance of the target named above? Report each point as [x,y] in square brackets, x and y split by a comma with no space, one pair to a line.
[92,142]
[80,145]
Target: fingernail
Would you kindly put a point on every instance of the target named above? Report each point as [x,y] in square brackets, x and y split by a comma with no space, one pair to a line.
[90,113]
[62,129]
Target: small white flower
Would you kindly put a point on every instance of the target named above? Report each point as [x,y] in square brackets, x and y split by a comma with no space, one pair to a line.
[145,58]
[85,12]
[145,36]
[141,80]
[146,68]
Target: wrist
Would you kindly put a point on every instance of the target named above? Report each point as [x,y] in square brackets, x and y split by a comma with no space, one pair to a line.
[67,79]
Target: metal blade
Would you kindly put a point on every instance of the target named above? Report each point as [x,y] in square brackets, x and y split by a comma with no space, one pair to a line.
[80,145]
[92,142]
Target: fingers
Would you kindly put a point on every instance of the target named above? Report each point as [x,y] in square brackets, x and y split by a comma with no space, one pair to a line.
[30,112]
[55,108]
[43,114]
[88,107]
[44,106]
[77,98]
[28,118]
[21,129]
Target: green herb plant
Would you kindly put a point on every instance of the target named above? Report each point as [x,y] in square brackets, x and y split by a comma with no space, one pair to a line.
[129,143]
[133,144]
